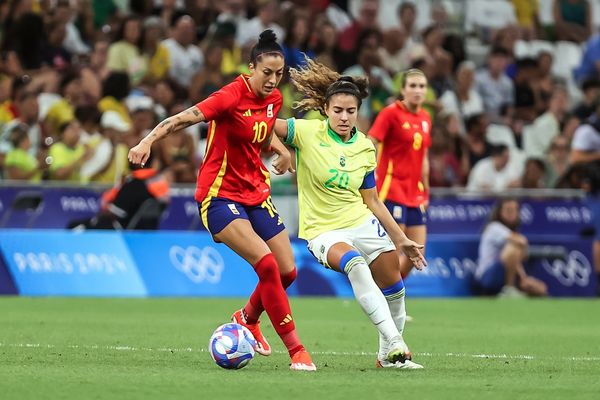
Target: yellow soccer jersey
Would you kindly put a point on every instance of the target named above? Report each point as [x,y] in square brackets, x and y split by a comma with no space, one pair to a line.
[330,174]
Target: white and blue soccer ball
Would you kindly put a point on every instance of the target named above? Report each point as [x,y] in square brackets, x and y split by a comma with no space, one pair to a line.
[231,346]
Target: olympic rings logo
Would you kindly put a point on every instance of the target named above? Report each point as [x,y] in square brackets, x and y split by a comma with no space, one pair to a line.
[575,271]
[198,265]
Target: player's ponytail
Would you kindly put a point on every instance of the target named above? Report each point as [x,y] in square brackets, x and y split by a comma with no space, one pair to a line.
[318,83]
[267,44]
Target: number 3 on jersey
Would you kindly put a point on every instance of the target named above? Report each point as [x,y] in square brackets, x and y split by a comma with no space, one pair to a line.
[260,131]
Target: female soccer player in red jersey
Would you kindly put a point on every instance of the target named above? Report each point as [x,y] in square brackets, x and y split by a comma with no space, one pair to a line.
[402,129]
[233,189]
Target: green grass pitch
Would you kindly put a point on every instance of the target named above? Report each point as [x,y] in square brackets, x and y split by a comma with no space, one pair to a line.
[62,348]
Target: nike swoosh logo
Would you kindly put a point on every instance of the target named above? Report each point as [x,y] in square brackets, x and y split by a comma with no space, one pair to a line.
[324,144]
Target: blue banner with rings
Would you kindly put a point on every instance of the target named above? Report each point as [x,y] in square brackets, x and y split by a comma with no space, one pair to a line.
[63,263]
[189,264]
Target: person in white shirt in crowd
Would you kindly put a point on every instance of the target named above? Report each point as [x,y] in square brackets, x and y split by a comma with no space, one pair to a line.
[502,252]
[266,16]
[538,137]
[585,146]
[464,100]
[494,86]
[493,173]
[185,58]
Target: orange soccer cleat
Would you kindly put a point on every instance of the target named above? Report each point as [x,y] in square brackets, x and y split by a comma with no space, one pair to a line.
[262,346]
[301,361]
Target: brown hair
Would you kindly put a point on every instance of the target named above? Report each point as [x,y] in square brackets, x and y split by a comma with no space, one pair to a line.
[411,72]
[318,83]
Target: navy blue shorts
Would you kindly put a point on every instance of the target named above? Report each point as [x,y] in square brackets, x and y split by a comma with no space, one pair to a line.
[492,280]
[409,216]
[220,212]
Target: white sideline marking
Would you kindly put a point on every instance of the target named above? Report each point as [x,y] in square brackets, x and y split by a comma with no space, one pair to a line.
[327,353]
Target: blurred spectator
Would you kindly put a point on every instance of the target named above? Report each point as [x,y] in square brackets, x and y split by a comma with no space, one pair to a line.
[115,89]
[487,17]
[168,11]
[537,138]
[444,166]
[527,13]
[54,55]
[153,51]
[557,160]
[124,55]
[589,68]
[143,119]
[266,17]
[94,71]
[63,110]
[19,163]
[585,146]
[67,155]
[392,52]
[114,128]
[231,52]
[209,79]
[502,252]
[295,45]
[477,146]
[494,86]
[164,95]
[27,108]
[25,35]
[585,109]
[100,146]
[463,100]
[407,15]
[325,47]
[66,16]
[533,175]
[104,10]
[185,58]
[526,96]
[349,38]
[493,173]
[572,20]
[120,204]
[544,82]
[381,86]
[440,59]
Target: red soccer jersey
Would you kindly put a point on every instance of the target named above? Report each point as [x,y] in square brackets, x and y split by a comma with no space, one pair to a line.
[404,136]
[240,122]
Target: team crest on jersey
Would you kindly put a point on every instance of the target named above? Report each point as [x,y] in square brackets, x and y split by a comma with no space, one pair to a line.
[270,111]
[425,126]
[406,125]
[343,160]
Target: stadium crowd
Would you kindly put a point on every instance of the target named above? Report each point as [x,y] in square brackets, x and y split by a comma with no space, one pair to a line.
[514,86]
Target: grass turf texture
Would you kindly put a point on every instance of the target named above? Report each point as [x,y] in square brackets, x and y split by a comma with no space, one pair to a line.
[62,348]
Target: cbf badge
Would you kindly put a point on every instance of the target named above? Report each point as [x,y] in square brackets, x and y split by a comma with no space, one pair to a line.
[342,160]
[270,111]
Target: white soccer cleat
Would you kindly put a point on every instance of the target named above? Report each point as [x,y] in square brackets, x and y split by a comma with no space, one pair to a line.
[398,350]
[407,364]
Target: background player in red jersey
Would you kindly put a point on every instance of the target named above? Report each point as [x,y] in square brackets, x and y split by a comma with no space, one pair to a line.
[233,190]
[402,130]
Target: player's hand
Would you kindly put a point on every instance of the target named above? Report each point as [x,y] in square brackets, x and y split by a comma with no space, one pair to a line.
[139,154]
[413,252]
[282,163]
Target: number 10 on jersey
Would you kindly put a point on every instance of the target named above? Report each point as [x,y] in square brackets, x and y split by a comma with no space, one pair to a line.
[260,131]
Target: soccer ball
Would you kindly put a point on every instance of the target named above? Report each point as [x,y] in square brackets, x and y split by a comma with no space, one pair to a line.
[231,346]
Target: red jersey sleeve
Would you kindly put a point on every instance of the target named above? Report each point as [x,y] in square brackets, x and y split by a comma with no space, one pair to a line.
[219,102]
[381,126]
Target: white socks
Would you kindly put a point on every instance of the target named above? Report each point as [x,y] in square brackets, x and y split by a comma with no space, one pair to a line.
[370,297]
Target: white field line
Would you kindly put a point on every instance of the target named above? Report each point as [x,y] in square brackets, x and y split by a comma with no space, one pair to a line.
[326,353]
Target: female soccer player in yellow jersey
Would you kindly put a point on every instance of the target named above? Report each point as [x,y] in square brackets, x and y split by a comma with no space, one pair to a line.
[341,215]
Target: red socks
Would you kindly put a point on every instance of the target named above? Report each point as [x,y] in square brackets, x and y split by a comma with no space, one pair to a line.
[254,306]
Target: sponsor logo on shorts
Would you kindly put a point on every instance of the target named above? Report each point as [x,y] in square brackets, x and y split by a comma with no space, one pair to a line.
[397,212]
[233,209]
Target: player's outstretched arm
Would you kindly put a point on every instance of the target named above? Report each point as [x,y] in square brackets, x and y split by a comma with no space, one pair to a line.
[410,248]
[139,154]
